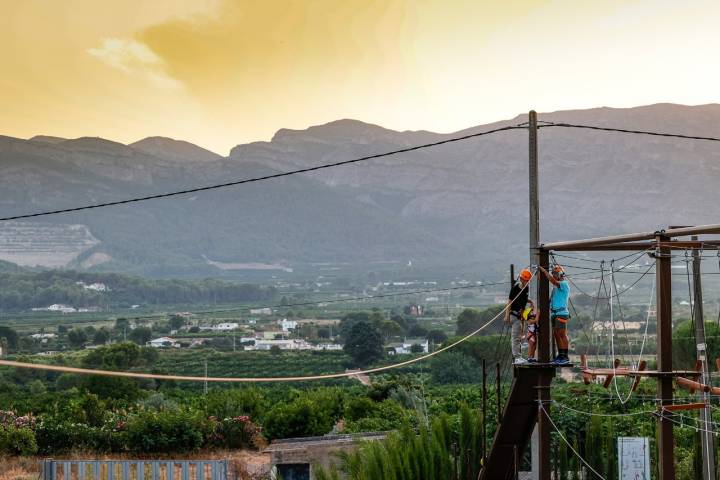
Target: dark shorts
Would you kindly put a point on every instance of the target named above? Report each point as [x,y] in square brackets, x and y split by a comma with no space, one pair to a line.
[560,322]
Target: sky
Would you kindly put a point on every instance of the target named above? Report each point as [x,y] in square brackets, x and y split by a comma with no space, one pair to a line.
[223,72]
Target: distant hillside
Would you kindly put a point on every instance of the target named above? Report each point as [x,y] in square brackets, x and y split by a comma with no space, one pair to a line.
[462,204]
[22,290]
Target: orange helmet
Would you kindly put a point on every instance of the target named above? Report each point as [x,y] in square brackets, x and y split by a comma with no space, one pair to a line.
[525,275]
[558,270]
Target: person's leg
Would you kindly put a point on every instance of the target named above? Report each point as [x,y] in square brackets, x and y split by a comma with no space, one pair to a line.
[561,338]
[531,346]
[516,333]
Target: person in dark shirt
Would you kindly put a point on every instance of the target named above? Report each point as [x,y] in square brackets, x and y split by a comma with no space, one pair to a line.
[517,300]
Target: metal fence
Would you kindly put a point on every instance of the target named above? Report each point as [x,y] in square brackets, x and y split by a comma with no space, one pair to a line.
[135,470]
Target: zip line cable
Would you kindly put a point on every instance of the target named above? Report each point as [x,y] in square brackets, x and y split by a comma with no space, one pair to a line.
[259,179]
[156,376]
[625,130]
[547,415]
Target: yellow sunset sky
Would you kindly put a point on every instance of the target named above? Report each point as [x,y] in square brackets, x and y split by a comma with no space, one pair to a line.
[223,72]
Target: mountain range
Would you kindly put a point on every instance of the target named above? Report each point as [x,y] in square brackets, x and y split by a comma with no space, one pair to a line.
[461,206]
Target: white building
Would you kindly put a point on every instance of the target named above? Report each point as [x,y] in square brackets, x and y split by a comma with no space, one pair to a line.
[225,327]
[287,325]
[163,342]
[293,344]
[59,307]
[42,336]
[261,311]
[406,346]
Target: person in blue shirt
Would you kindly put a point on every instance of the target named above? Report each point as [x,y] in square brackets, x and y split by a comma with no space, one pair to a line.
[559,313]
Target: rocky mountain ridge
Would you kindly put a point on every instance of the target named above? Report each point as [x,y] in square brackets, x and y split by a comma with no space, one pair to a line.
[463,203]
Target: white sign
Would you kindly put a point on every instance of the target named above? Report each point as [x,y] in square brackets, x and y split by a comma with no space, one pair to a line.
[633,458]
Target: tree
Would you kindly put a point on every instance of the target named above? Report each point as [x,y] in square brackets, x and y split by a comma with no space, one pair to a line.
[436,336]
[348,321]
[275,350]
[471,319]
[364,343]
[416,348]
[390,329]
[454,367]
[176,321]
[101,336]
[141,335]
[11,336]
[77,337]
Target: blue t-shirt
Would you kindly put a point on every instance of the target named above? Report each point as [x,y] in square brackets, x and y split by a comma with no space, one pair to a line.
[559,299]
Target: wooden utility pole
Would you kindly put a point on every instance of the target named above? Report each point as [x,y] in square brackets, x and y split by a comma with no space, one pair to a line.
[484,410]
[541,440]
[663,279]
[707,437]
[543,387]
[534,191]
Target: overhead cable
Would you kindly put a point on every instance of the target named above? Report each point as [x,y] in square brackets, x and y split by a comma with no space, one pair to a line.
[625,130]
[259,179]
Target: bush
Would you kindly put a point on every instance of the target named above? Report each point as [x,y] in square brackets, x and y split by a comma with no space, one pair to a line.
[17,441]
[236,432]
[235,402]
[166,432]
[300,418]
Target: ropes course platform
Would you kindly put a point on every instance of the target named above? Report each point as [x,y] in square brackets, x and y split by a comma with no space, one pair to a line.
[517,421]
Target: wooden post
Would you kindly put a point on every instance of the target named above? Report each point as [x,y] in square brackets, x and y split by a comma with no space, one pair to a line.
[707,437]
[543,392]
[497,392]
[484,412]
[663,278]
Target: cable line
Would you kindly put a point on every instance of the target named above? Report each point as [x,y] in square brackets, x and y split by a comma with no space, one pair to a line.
[259,179]
[547,415]
[625,130]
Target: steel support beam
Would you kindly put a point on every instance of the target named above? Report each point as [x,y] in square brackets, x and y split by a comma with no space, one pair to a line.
[633,237]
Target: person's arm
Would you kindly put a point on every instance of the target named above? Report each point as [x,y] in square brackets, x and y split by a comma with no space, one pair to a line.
[550,278]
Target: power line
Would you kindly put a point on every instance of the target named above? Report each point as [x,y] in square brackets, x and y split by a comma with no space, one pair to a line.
[259,179]
[625,130]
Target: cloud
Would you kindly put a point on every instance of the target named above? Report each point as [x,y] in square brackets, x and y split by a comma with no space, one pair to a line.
[136,59]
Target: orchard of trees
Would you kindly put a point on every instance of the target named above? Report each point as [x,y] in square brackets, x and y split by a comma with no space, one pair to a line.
[22,290]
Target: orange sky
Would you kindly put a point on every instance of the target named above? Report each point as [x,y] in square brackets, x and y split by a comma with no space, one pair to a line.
[223,72]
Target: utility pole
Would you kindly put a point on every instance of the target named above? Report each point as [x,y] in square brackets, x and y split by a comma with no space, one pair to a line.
[534,192]
[484,410]
[540,440]
[707,436]
[205,389]
[663,279]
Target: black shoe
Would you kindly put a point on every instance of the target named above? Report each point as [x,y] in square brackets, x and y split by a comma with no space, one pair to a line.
[531,360]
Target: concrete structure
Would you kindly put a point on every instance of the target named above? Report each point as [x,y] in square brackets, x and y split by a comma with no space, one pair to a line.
[405,346]
[261,311]
[296,458]
[163,342]
[287,325]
